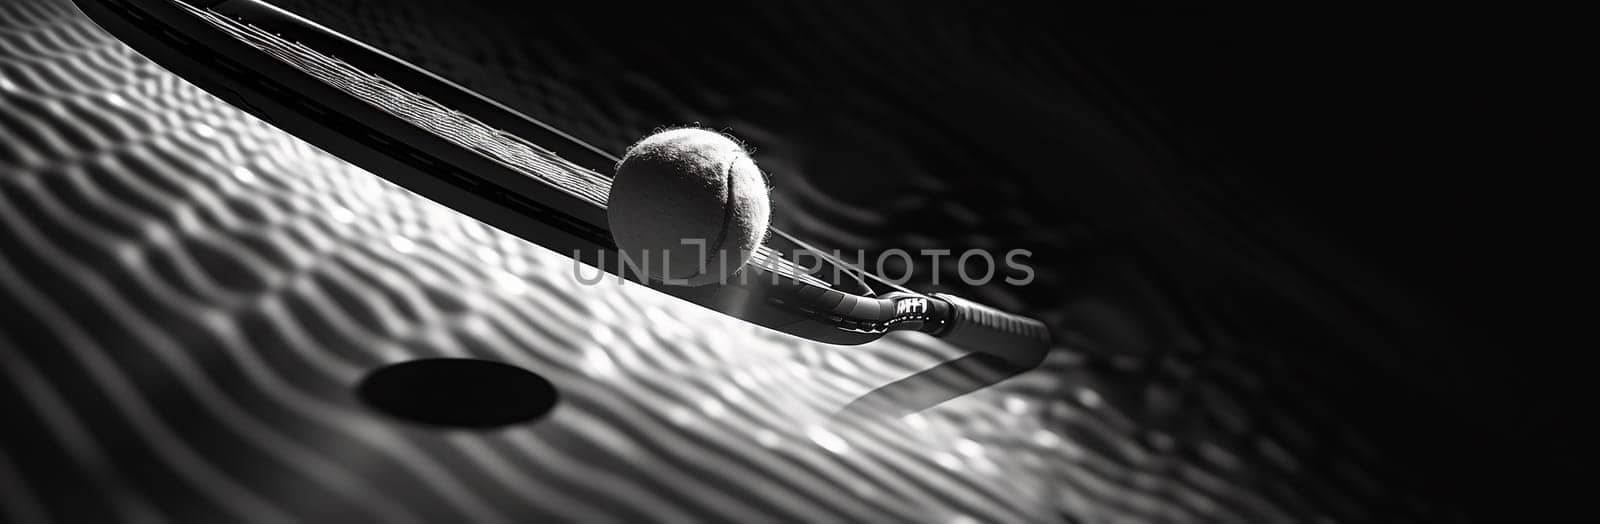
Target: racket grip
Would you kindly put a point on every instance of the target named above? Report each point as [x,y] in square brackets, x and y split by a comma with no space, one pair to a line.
[1018,339]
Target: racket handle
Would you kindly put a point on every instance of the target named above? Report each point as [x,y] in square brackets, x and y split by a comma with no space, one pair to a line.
[1018,339]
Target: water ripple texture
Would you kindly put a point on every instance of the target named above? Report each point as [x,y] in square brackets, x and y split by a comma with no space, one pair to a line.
[189,297]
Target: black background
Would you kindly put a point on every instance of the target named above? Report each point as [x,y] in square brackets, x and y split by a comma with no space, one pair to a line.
[1416,155]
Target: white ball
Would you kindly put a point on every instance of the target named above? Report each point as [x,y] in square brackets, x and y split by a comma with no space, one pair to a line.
[688,206]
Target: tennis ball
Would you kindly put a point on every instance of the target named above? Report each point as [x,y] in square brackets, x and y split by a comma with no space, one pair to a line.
[691,202]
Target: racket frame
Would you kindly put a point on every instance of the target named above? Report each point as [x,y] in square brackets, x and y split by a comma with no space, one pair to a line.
[844,312]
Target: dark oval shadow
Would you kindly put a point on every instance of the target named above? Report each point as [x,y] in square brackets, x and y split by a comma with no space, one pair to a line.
[458,393]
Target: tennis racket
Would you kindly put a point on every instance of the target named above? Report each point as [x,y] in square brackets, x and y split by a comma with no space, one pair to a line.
[490,162]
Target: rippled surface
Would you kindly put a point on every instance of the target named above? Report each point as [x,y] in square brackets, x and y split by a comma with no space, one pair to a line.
[190,296]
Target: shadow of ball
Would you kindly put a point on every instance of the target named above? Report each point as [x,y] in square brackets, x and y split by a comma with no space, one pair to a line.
[458,393]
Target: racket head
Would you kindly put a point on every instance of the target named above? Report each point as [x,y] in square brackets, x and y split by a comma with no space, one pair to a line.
[472,154]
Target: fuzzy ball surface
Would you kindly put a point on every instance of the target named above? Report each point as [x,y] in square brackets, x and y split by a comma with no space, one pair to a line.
[688,206]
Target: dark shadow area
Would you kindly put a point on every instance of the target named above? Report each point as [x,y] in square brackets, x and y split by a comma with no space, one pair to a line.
[458,392]
[931,387]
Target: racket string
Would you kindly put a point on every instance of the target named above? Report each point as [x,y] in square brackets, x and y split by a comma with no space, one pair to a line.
[471,134]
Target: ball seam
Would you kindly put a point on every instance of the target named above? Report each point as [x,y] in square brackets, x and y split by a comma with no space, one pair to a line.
[727,215]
